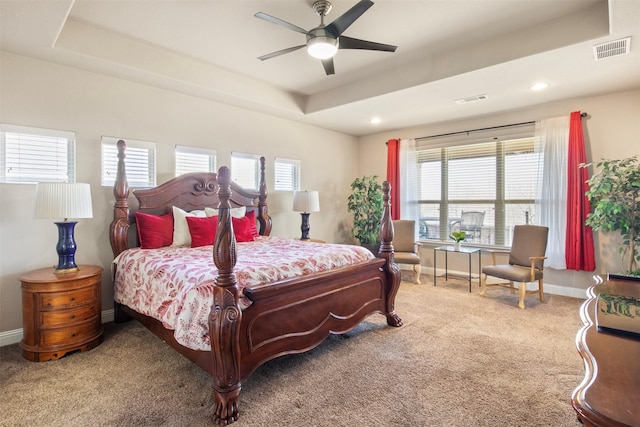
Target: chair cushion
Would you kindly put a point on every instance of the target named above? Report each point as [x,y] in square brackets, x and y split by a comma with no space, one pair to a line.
[406,258]
[514,273]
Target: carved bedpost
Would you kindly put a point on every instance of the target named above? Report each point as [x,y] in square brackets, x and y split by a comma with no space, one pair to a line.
[386,251]
[119,229]
[225,316]
[263,211]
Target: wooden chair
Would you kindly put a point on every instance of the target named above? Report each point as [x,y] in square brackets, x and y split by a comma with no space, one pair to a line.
[525,262]
[406,249]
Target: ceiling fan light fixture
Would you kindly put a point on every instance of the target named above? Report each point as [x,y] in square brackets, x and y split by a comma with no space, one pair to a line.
[322,47]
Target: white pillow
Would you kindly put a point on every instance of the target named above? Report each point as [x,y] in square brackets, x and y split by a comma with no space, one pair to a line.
[235,212]
[181,235]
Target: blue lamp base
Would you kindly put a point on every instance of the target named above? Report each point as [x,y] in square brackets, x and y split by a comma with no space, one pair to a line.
[66,248]
[305,226]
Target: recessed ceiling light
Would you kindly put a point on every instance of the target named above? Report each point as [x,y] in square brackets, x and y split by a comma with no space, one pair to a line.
[375,120]
[539,86]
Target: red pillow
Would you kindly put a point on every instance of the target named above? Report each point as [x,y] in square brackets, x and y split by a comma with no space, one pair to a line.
[252,226]
[202,230]
[242,229]
[154,231]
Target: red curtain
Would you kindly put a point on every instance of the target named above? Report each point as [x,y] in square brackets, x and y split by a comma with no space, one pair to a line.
[393,175]
[579,249]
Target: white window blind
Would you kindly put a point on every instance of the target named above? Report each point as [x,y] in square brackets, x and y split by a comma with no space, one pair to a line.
[245,170]
[140,162]
[192,159]
[287,173]
[497,178]
[36,155]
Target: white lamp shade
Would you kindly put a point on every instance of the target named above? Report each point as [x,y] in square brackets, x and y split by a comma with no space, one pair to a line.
[306,201]
[63,200]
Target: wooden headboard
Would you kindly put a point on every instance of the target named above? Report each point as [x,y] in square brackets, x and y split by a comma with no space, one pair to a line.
[189,191]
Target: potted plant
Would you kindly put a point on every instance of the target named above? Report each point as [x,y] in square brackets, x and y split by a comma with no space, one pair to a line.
[365,203]
[458,237]
[614,193]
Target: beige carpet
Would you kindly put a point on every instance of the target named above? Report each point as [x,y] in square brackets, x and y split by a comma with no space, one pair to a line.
[459,360]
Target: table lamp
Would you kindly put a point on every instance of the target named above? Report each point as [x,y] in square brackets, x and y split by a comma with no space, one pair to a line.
[305,202]
[64,200]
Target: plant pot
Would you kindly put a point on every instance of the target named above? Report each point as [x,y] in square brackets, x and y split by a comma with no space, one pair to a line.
[373,247]
[457,246]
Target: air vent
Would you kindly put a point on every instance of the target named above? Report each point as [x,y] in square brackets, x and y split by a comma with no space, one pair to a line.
[471,99]
[614,48]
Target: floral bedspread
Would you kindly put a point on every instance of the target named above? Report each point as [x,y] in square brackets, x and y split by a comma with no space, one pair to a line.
[175,284]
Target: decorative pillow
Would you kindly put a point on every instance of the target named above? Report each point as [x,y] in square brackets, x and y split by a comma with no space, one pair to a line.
[242,229]
[252,223]
[154,231]
[181,236]
[235,212]
[202,230]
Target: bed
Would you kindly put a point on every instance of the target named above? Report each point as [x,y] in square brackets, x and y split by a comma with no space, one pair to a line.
[247,325]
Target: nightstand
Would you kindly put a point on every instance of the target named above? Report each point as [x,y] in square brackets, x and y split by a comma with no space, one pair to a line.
[61,313]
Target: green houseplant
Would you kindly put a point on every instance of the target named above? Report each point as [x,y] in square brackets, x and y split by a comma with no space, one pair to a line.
[614,194]
[458,237]
[365,203]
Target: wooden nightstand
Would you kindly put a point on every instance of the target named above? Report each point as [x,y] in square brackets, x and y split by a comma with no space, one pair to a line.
[60,312]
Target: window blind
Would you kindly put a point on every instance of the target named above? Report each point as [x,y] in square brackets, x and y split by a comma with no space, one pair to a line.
[140,162]
[497,178]
[287,174]
[33,155]
[245,170]
[192,159]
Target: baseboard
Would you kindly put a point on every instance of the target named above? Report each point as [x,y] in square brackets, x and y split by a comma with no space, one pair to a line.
[549,288]
[10,337]
[15,336]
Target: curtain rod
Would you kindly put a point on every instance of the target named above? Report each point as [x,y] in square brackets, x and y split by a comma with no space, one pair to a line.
[467,132]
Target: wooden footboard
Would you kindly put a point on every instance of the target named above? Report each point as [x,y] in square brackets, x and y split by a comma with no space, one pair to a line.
[290,316]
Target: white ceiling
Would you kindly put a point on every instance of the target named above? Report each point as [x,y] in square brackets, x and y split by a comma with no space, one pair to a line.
[447,49]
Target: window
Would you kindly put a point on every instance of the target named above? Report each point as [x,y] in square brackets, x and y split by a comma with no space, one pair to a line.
[287,174]
[245,170]
[496,179]
[36,155]
[190,159]
[140,162]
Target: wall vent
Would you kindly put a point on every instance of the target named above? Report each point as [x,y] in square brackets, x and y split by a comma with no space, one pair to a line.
[471,99]
[614,48]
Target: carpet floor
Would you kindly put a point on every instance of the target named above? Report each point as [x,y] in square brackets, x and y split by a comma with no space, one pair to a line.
[458,360]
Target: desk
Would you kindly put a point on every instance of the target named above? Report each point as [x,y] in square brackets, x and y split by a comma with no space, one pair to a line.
[609,394]
[463,250]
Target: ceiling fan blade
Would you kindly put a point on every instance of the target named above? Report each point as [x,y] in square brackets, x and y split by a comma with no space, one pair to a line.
[345,42]
[345,20]
[280,22]
[280,52]
[328,66]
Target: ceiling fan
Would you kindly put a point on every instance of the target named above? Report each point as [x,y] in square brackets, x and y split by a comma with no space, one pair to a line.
[324,41]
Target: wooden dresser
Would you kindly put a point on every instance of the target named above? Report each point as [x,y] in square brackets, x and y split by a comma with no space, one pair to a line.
[61,313]
[609,395]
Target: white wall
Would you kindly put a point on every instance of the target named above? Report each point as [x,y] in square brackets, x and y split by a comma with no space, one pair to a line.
[611,130]
[41,94]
